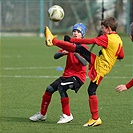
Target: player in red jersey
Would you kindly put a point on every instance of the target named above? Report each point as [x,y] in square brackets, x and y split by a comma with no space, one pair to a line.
[112,49]
[73,77]
[127,86]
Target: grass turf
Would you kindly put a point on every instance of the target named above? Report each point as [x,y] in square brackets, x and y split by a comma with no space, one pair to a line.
[28,67]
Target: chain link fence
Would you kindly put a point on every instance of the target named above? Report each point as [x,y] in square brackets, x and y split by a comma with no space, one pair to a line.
[30,16]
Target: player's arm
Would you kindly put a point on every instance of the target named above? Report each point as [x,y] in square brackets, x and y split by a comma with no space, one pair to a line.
[129,84]
[81,59]
[60,53]
[122,87]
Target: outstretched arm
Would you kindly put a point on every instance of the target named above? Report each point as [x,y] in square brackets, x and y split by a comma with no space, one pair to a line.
[129,84]
[122,87]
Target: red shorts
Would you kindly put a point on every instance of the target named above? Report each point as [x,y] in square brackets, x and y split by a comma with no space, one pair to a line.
[93,75]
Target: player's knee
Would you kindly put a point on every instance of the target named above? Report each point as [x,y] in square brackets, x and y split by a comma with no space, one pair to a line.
[62,90]
[92,88]
[50,89]
[91,91]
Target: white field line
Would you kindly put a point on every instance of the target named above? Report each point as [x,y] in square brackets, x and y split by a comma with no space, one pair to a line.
[28,76]
[43,76]
[53,67]
[29,68]
[24,76]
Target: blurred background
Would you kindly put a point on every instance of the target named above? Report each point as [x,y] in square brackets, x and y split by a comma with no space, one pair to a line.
[29,17]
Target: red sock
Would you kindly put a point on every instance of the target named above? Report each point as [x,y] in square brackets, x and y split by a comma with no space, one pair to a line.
[65,106]
[45,102]
[64,45]
[93,101]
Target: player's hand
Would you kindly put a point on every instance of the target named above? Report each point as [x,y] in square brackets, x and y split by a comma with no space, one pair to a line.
[67,38]
[120,88]
[64,52]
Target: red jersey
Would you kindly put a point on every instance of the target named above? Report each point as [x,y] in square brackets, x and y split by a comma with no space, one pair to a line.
[74,67]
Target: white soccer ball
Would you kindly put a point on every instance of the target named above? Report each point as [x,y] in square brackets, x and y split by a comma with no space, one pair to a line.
[56,13]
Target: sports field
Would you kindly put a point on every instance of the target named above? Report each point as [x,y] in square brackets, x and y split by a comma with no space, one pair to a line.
[27,67]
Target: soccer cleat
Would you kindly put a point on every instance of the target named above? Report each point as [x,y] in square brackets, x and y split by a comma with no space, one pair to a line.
[65,119]
[38,116]
[93,122]
[49,36]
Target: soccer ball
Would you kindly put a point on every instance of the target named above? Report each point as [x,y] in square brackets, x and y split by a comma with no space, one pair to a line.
[56,13]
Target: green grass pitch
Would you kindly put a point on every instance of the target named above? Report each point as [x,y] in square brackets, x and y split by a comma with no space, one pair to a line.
[27,67]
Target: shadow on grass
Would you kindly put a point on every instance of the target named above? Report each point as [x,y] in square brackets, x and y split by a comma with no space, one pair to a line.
[20,119]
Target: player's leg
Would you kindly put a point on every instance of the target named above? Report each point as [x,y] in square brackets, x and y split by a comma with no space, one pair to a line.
[93,100]
[93,103]
[65,103]
[89,56]
[73,83]
[46,98]
[49,36]
[64,45]
[48,95]
[51,40]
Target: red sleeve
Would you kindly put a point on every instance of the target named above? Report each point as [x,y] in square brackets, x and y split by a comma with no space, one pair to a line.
[121,54]
[129,84]
[100,41]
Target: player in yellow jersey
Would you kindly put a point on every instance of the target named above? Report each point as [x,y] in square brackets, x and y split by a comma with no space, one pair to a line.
[112,49]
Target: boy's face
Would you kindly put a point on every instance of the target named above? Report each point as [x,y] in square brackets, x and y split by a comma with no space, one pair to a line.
[106,30]
[77,34]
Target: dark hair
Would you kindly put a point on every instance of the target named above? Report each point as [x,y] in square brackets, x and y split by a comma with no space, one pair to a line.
[131,29]
[110,22]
